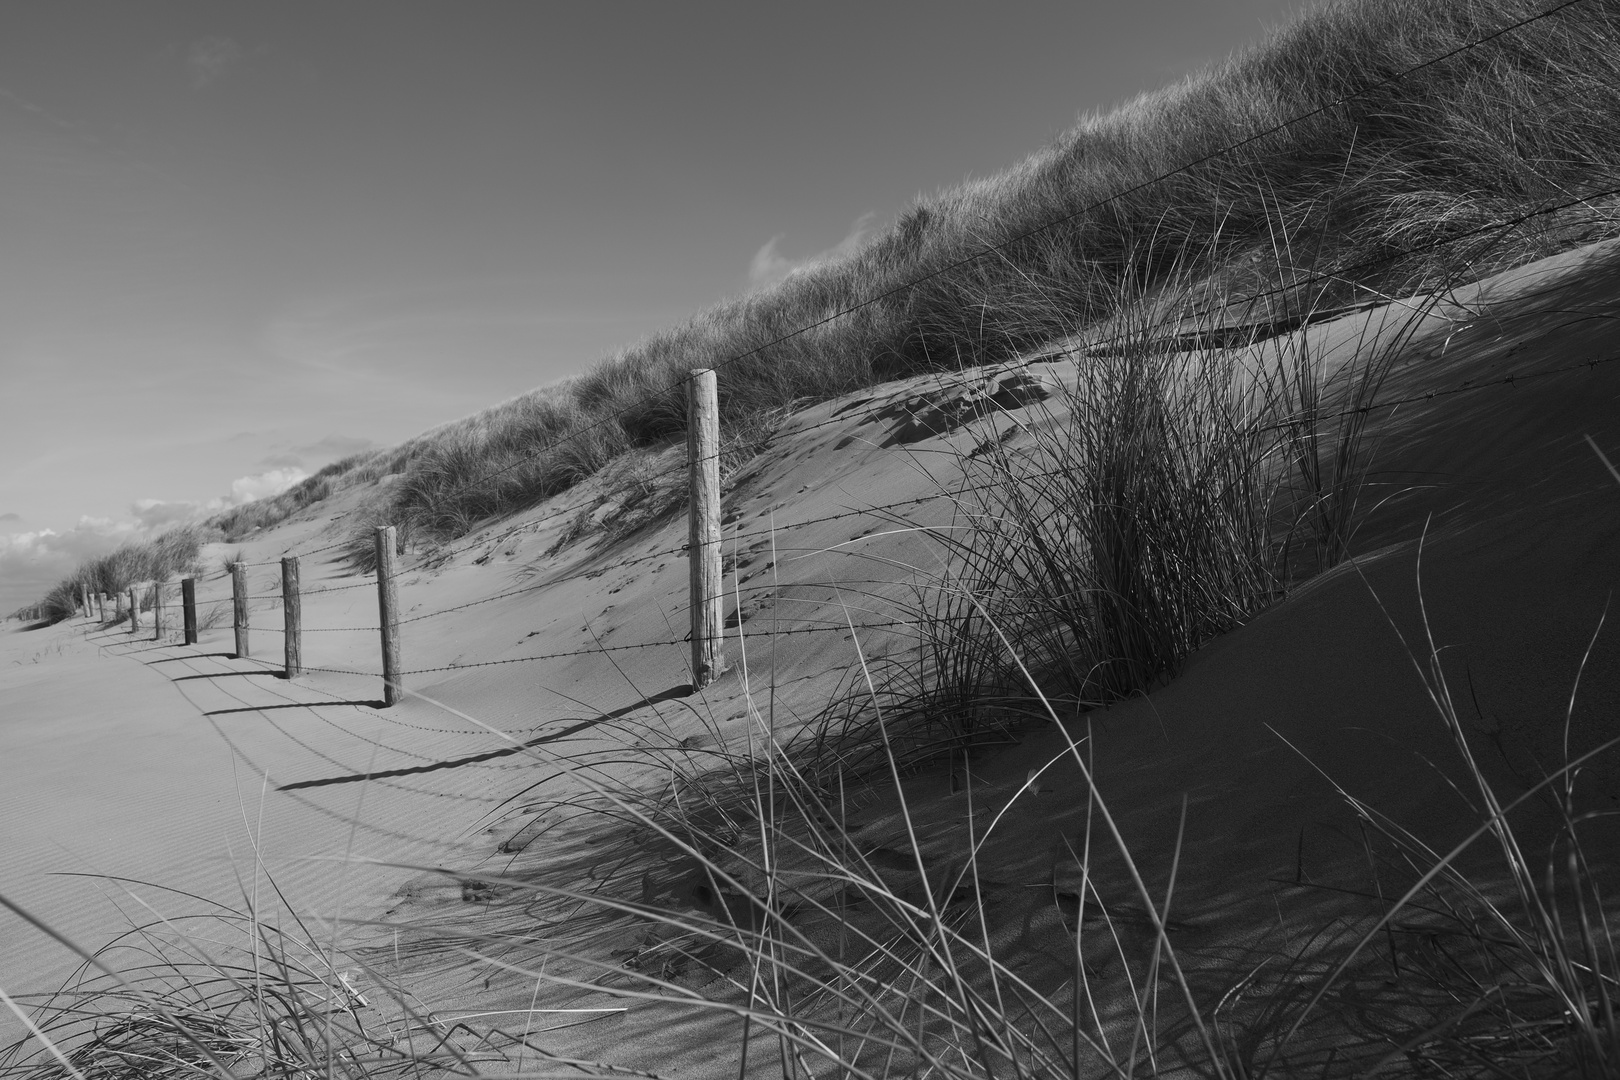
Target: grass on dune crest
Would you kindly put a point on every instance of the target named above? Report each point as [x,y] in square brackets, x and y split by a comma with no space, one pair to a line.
[1390,186]
[241,521]
[171,552]
[1382,192]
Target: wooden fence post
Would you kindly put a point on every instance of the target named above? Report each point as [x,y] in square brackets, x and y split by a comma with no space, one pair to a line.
[388,612]
[101,605]
[134,611]
[239,607]
[703,516]
[157,611]
[188,606]
[292,617]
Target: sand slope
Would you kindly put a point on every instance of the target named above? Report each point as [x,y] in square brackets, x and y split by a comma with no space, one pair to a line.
[137,758]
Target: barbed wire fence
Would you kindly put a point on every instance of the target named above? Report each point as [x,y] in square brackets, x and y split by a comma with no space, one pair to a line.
[704,498]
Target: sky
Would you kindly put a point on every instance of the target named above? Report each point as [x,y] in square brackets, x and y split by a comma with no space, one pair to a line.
[241,240]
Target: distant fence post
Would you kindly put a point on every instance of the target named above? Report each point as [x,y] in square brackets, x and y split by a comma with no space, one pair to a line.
[188,608]
[134,611]
[388,612]
[239,607]
[703,516]
[157,611]
[101,605]
[292,617]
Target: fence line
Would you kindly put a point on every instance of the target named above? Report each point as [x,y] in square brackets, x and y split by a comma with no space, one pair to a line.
[1467,386]
[1318,277]
[393,672]
[702,550]
[991,249]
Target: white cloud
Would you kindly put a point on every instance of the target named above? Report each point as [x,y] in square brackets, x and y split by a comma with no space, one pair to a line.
[155,514]
[769,265]
[207,59]
[32,562]
[245,489]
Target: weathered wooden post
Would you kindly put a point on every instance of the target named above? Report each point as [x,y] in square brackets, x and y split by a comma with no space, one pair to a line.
[703,516]
[134,611]
[188,606]
[101,605]
[157,611]
[388,612]
[292,617]
[239,607]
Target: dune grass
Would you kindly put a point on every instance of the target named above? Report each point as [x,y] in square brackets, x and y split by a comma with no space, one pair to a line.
[749,889]
[239,522]
[1389,185]
[174,551]
[1167,496]
[1161,499]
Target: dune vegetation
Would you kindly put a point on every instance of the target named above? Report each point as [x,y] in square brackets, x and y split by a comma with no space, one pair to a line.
[1371,151]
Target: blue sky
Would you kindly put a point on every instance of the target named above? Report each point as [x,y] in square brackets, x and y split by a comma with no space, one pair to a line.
[239,240]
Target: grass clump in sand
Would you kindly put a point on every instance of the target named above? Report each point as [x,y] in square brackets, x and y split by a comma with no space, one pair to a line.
[808,921]
[247,991]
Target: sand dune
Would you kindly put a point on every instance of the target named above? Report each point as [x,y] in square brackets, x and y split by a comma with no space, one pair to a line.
[155,761]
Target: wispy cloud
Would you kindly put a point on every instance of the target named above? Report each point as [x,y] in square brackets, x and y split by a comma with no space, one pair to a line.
[10,517]
[209,58]
[769,265]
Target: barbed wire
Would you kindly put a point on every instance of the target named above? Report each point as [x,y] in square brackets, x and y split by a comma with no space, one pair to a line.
[1075,350]
[999,246]
[604,649]
[989,249]
[1468,386]
[995,248]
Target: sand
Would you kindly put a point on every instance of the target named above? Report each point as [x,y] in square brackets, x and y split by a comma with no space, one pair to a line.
[155,761]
